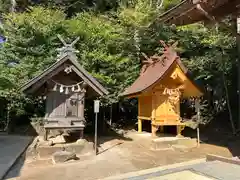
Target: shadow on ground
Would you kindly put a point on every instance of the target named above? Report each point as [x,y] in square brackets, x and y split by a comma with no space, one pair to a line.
[217,134]
[107,137]
[15,170]
[13,149]
[14,145]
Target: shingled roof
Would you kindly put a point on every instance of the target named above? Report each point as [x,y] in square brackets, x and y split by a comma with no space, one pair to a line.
[192,11]
[154,71]
[58,66]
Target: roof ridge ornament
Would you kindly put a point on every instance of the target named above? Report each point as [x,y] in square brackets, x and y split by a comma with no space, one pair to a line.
[67,48]
[168,53]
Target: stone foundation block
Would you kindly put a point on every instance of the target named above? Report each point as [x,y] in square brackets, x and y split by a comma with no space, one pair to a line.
[63,156]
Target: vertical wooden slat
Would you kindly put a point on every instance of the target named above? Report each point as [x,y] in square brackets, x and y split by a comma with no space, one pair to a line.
[81,103]
[48,104]
[153,107]
[139,125]
[139,114]
[58,104]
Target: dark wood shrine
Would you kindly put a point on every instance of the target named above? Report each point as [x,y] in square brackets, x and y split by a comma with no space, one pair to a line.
[65,85]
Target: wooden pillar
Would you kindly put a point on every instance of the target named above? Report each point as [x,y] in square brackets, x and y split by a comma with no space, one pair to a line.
[46,135]
[139,125]
[161,129]
[178,131]
[154,130]
[180,128]
[81,133]
[153,119]
[139,113]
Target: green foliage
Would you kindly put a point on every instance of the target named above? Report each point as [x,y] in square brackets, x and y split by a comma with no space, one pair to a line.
[110,46]
[4,6]
[31,38]
[168,4]
[210,55]
[138,14]
[32,43]
[104,51]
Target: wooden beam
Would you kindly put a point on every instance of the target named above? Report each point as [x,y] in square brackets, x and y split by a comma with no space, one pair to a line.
[169,124]
[144,118]
[176,9]
[181,14]
[218,9]
[133,95]
[205,13]
[213,19]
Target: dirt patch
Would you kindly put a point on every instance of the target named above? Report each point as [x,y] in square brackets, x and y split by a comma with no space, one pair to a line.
[118,155]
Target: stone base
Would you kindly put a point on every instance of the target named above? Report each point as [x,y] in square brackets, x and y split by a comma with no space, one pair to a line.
[189,143]
[59,139]
[160,146]
[181,148]
[81,147]
[169,143]
[63,156]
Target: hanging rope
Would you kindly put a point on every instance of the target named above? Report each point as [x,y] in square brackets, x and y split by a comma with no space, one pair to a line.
[67,88]
[59,84]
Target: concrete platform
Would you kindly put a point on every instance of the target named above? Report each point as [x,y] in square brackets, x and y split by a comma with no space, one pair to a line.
[199,170]
[165,143]
[11,147]
[184,175]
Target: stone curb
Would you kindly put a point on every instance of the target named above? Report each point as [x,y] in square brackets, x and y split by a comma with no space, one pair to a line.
[212,157]
[153,170]
[11,163]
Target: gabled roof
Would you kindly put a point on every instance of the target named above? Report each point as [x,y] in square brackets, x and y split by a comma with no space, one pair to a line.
[192,11]
[156,71]
[57,66]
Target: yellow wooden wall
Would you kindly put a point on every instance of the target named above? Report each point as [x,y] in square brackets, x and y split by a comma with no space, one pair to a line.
[145,106]
[189,88]
[153,104]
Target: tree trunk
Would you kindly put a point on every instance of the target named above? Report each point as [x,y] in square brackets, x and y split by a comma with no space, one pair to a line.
[238,51]
[111,107]
[228,104]
[137,43]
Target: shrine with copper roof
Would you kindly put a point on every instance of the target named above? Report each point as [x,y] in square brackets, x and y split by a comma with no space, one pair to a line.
[162,83]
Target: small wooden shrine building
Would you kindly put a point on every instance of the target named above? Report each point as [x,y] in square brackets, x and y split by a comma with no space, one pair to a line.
[163,81]
[65,85]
